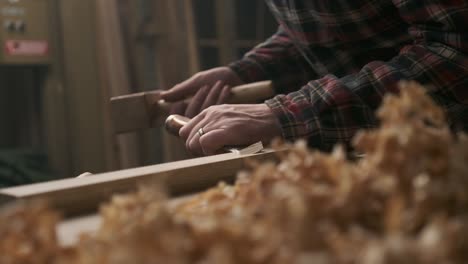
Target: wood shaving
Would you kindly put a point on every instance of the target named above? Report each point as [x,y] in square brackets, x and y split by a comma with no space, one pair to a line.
[405,202]
[27,234]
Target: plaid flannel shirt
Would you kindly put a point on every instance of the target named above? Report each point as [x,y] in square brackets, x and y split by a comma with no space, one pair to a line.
[332,62]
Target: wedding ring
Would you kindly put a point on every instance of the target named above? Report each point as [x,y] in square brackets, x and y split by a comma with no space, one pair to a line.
[201,132]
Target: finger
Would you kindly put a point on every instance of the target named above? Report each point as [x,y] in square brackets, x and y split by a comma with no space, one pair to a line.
[193,141]
[196,130]
[213,96]
[186,130]
[178,108]
[224,96]
[213,141]
[193,144]
[181,90]
[216,138]
[196,102]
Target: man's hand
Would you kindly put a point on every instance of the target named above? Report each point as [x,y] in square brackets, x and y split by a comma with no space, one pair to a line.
[211,87]
[230,125]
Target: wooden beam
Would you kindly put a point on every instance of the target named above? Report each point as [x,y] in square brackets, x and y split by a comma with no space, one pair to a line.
[80,196]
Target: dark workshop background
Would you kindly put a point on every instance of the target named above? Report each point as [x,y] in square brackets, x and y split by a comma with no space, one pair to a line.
[54,111]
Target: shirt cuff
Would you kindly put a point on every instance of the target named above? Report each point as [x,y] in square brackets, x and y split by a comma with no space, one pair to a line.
[291,127]
[294,125]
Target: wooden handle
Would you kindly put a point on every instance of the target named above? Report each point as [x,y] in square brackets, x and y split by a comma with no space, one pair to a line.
[243,94]
[248,93]
[145,110]
[174,123]
[251,93]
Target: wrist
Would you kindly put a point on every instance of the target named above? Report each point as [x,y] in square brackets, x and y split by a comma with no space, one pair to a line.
[248,71]
[273,125]
[232,78]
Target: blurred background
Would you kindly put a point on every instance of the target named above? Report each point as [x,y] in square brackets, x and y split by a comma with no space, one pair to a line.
[63,59]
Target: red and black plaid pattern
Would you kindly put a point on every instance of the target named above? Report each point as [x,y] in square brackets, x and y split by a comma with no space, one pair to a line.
[333,61]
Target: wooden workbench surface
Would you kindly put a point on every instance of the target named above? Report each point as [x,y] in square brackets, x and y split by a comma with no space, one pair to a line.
[81,196]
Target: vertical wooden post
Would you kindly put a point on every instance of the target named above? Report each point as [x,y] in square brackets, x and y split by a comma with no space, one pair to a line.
[114,77]
[226,29]
[176,34]
[160,45]
[191,34]
[91,137]
[55,103]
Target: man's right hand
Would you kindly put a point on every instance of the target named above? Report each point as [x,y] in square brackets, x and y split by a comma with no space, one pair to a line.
[211,87]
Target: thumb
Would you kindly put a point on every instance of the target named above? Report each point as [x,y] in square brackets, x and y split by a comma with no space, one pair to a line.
[181,91]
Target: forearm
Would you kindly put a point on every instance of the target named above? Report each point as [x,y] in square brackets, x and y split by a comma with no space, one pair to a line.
[331,110]
[278,60]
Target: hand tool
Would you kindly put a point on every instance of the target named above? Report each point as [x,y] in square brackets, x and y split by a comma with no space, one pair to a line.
[143,110]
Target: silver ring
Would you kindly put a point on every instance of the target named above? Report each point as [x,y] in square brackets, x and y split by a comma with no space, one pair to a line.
[201,132]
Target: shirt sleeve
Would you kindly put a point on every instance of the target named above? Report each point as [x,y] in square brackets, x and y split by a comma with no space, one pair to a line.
[331,110]
[278,60]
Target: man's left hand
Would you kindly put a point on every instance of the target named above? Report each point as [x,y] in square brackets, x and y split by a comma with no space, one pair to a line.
[230,125]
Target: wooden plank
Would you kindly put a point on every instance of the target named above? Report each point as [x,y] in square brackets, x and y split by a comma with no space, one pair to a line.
[81,196]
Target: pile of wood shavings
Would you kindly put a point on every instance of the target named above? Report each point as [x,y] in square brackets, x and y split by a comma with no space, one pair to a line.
[406,201]
[27,234]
